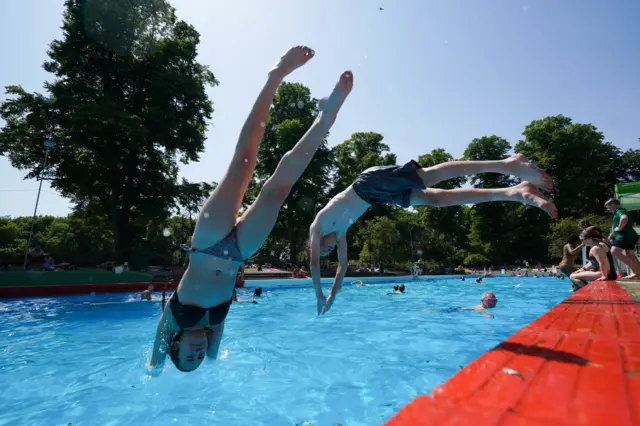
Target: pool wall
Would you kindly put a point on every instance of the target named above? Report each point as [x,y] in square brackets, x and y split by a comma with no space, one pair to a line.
[578,364]
[12,291]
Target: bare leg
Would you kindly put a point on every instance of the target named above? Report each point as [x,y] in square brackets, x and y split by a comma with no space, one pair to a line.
[516,165]
[624,257]
[526,193]
[256,223]
[220,212]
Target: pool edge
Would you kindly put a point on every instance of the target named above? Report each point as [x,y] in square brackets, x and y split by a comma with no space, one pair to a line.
[578,364]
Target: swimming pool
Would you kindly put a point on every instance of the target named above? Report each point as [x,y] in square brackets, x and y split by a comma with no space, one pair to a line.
[80,359]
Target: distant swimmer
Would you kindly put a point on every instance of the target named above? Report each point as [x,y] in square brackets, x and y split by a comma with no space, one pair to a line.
[397,289]
[411,185]
[488,301]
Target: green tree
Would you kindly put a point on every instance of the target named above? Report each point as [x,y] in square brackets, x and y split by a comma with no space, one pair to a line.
[583,166]
[358,153]
[380,239]
[502,232]
[127,101]
[191,197]
[292,113]
[451,221]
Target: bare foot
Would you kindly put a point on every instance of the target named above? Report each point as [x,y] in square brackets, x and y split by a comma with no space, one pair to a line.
[292,59]
[330,106]
[521,167]
[530,195]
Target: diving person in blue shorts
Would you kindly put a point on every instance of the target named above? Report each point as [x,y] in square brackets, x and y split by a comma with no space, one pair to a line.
[192,324]
[411,185]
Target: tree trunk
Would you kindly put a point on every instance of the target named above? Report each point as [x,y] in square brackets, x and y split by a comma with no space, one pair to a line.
[122,237]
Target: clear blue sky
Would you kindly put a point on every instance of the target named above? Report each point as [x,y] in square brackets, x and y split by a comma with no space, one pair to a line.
[427,73]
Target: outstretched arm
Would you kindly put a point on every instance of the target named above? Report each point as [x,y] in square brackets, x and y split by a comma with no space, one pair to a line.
[315,265]
[161,343]
[343,266]
[214,341]
[576,250]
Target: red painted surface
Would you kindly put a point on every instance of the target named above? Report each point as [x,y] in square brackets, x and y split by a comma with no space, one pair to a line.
[577,365]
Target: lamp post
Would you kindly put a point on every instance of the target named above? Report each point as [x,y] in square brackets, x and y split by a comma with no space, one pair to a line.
[47,146]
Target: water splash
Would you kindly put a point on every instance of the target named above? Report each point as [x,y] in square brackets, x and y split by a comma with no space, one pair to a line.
[166,232]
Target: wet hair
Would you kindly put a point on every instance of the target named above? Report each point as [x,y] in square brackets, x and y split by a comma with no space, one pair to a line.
[174,352]
[612,202]
[257,291]
[574,238]
[592,232]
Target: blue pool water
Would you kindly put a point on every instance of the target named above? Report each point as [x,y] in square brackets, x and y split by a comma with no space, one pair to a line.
[80,359]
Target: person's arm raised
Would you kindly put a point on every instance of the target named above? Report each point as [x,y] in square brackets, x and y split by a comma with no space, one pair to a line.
[343,266]
[576,250]
[314,262]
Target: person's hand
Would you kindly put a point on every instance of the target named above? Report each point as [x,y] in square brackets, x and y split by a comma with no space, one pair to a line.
[602,279]
[328,303]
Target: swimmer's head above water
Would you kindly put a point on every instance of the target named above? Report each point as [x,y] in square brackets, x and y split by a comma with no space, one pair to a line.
[188,349]
[489,300]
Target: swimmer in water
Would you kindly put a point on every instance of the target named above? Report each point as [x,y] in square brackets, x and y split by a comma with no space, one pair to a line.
[145,295]
[488,301]
[412,185]
[235,298]
[192,324]
[397,289]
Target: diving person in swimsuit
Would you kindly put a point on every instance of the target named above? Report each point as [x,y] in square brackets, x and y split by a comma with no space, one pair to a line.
[600,266]
[412,185]
[191,326]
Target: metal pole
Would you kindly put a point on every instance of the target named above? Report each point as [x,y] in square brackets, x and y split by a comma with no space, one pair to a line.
[35,210]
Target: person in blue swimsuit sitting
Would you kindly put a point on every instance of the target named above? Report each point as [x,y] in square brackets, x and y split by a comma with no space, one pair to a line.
[192,323]
[600,266]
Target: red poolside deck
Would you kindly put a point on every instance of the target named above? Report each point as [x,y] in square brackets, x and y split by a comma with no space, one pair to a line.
[579,364]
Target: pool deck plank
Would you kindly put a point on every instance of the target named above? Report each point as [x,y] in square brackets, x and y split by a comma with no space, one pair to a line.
[578,364]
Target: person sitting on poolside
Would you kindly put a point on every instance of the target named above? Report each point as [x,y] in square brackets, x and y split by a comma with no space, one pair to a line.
[397,289]
[600,266]
[623,238]
[412,185]
[192,324]
[569,253]
[488,301]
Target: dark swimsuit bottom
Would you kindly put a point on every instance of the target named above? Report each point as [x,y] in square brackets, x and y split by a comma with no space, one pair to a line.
[612,266]
[187,316]
[389,184]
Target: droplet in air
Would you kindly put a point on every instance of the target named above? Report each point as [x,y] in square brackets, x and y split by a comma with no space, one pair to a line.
[350,221]
[300,104]
[273,128]
[419,251]
[118,269]
[226,252]
[263,124]
[166,232]
[292,105]
[206,214]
